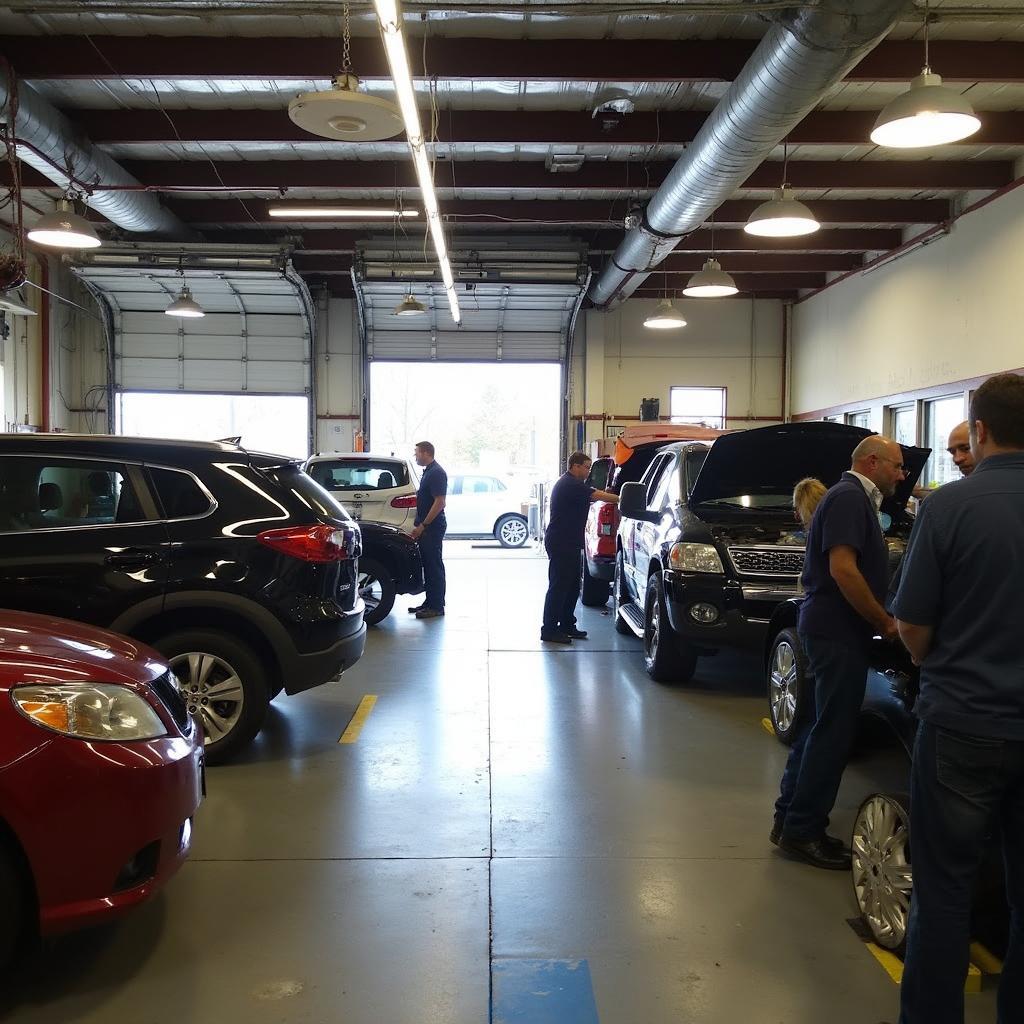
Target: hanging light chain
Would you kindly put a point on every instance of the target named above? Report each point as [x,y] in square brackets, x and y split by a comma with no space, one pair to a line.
[927,19]
[346,39]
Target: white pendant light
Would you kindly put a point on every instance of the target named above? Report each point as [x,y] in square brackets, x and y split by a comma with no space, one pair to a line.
[782,216]
[665,318]
[64,229]
[711,281]
[185,306]
[410,306]
[927,114]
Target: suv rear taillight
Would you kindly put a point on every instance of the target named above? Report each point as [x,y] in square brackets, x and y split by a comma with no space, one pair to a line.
[607,513]
[320,543]
[404,501]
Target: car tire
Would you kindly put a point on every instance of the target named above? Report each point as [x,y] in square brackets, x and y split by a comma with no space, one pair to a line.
[882,871]
[594,593]
[377,589]
[619,597]
[789,686]
[512,531]
[200,655]
[14,904]
[663,659]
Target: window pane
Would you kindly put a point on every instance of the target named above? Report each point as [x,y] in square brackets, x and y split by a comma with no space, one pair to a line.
[359,475]
[940,417]
[180,496]
[859,419]
[903,424]
[40,494]
[700,406]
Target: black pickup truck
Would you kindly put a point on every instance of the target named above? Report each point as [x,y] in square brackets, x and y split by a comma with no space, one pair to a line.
[709,546]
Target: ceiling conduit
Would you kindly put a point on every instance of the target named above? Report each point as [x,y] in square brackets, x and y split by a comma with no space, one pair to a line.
[55,144]
[807,51]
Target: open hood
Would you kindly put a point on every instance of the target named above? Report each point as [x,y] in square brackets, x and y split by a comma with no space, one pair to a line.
[770,460]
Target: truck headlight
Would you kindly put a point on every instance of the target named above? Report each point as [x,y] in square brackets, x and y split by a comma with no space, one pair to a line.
[695,558]
[89,711]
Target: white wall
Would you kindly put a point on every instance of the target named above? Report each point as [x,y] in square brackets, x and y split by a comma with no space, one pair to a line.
[339,375]
[730,343]
[946,312]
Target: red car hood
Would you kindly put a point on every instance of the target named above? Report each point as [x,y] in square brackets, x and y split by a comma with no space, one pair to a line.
[42,648]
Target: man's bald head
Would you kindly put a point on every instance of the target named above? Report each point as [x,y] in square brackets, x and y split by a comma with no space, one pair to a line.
[880,459]
[959,448]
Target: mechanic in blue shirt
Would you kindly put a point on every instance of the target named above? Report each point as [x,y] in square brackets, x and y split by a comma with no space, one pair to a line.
[563,540]
[429,529]
[960,610]
[846,570]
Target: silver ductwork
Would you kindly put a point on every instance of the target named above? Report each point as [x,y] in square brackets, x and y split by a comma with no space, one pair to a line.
[806,52]
[48,132]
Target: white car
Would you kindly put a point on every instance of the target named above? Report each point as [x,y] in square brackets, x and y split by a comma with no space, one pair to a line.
[378,488]
[479,503]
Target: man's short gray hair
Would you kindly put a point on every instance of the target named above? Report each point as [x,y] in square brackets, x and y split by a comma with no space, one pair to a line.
[873,445]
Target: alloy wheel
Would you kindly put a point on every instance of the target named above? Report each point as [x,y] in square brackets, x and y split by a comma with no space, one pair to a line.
[652,632]
[783,686]
[370,590]
[882,872]
[513,532]
[213,691]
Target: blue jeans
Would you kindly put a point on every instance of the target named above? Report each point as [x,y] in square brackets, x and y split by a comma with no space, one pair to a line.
[818,758]
[433,566]
[563,589]
[964,790]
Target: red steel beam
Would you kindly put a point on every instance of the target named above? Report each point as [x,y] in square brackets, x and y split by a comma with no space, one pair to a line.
[499,127]
[912,175]
[640,60]
[587,211]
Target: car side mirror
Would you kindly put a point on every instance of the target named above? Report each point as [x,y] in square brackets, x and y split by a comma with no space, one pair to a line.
[633,503]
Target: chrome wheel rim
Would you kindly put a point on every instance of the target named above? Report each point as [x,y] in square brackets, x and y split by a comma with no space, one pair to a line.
[652,633]
[514,533]
[617,585]
[882,872]
[213,691]
[783,686]
[370,590]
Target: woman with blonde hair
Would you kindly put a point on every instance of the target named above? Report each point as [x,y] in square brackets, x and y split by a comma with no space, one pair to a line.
[806,496]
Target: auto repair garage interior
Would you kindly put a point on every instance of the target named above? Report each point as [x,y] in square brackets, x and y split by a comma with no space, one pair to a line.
[469,825]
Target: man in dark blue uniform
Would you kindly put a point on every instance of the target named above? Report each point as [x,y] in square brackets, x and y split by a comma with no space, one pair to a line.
[563,540]
[959,611]
[846,570]
[429,529]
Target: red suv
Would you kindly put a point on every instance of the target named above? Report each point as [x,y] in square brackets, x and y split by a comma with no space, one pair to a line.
[100,775]
[633,452]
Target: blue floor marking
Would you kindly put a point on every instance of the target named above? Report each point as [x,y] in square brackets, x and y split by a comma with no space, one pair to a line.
[542,992]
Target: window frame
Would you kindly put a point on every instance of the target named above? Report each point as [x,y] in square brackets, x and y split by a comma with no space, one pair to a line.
[722,420]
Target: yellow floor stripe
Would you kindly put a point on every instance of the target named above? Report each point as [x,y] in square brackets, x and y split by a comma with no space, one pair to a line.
[766,724]
[893,966]
[985,959]
[355,727]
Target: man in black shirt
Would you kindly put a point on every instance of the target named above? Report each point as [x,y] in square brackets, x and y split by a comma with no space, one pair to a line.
[429,528]
[846,569]
[563,540]
[959,611]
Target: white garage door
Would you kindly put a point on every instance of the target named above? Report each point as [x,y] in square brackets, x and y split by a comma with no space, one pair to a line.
[256,337]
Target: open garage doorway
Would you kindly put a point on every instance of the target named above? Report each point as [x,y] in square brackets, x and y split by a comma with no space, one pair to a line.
[495,428]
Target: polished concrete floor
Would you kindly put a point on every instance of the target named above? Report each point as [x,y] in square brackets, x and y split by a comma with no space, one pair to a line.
[518,836]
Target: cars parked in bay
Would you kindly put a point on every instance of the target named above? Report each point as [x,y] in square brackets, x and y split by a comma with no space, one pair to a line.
[100,778]
[235,565]
[708,546]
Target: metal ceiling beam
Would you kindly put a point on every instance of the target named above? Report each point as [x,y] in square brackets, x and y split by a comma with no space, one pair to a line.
[836,240]
[585,60]
[573,212]
[385,175]
[501,127]
[745,283]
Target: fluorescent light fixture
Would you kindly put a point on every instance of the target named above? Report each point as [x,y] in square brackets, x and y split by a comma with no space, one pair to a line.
[185,306]
[390,18]
[665,317]
[64,229]
[781,217]
[711,282]
[927,114]
[351,212]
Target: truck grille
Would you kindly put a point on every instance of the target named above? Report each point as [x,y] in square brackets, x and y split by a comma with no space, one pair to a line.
[172,699]
[780,561]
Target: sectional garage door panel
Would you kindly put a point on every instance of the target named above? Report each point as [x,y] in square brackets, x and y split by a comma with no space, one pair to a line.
[256,336]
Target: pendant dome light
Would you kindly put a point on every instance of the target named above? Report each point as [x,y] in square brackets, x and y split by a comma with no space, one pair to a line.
[410,306]
[927,114]
[711,281]
[185,306]
[666,317]
[782,216]
[64,229]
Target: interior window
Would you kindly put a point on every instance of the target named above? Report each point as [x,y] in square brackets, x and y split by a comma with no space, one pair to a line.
[41,494]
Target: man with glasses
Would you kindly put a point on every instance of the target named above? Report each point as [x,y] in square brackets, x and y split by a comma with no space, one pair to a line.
[846,570]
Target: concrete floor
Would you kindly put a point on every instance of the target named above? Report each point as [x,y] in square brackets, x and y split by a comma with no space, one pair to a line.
[546,820]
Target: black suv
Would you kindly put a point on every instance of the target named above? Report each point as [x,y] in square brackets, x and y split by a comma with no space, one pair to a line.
[236,566]
[709,547]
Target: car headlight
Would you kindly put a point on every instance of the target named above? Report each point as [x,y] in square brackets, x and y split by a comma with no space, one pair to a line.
[89,711]
[695,558]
